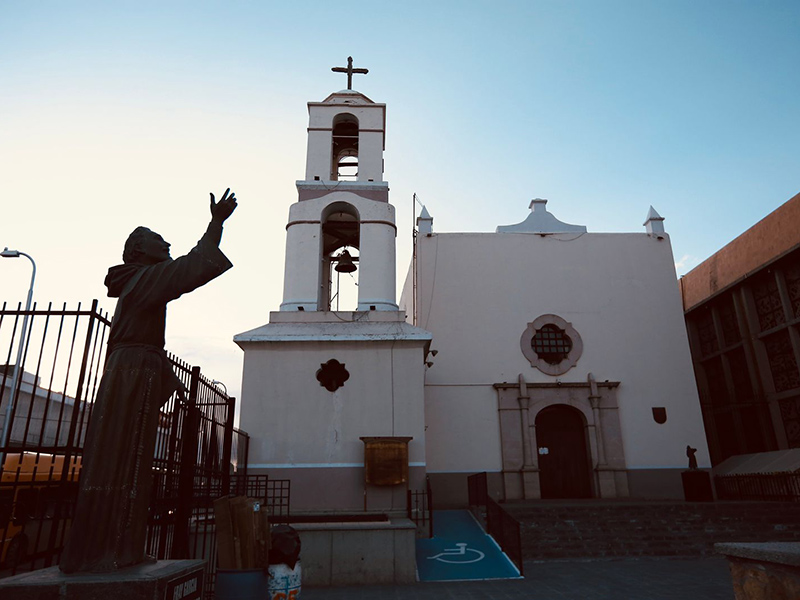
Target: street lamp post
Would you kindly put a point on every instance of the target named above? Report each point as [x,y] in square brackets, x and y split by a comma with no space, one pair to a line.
[6,253]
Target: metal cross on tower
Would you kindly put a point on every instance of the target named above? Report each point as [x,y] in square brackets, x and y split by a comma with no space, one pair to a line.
[349,70]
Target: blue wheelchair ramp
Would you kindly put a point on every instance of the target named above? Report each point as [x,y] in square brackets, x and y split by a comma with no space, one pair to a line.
[460,550]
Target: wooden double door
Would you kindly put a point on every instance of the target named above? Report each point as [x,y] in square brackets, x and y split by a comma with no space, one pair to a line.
[562,445]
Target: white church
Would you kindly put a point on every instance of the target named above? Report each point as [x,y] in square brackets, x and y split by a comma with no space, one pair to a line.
[552,358]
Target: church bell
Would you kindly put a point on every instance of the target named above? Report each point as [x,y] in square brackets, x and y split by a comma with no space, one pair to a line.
[345,263]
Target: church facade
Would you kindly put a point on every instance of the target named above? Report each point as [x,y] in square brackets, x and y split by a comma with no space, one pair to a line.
[554,359]
[562,364]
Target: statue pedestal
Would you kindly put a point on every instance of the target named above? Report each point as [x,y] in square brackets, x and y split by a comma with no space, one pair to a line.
[163,580]
[697,486]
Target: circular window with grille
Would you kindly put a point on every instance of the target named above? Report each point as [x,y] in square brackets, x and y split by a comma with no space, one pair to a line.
[551,344]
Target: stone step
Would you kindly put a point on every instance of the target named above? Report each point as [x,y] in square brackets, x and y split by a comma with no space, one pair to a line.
[620,529]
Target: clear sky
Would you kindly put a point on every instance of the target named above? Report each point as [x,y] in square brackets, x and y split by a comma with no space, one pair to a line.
[119,114]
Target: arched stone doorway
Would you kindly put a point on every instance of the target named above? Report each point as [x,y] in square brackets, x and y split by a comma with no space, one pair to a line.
[563,452]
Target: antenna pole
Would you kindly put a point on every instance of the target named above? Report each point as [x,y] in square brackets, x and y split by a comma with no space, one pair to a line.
[413,261]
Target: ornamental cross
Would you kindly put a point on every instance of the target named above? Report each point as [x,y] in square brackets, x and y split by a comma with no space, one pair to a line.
[349,70]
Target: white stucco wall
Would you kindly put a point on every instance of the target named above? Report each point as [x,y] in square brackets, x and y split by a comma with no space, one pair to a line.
[478,291]
[294,421]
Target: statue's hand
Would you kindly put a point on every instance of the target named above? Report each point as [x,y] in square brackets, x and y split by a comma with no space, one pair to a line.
[224,208]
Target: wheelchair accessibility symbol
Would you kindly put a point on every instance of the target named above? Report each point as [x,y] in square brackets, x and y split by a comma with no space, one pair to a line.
[460,555]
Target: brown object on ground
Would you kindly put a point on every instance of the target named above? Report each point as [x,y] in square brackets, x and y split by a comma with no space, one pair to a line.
[243,534]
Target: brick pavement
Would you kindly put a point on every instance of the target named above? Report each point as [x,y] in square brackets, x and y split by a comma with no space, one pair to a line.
[629,579]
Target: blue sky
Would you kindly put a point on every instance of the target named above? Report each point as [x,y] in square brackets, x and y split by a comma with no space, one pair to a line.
[116,114]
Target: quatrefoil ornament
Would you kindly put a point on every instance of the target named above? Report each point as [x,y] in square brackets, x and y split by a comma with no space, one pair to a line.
[332,375]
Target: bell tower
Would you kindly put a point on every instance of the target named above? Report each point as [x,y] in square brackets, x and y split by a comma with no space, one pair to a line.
[342,221]
[319,384]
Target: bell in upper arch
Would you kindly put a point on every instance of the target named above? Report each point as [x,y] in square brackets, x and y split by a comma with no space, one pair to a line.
[345,263]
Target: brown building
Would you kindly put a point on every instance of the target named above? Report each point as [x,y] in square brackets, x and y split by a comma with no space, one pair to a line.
[742,310]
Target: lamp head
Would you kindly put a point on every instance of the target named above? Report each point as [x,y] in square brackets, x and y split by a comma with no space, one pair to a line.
[218,382]
[6,253]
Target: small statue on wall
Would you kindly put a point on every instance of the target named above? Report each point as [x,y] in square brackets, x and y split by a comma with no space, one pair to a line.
[690,452]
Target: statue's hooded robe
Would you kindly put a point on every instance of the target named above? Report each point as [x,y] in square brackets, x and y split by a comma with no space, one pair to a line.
[110,524]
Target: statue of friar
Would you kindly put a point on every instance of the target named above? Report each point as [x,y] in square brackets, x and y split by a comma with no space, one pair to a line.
[690,452]
[110,524]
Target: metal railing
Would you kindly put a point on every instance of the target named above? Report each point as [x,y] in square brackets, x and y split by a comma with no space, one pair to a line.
[48,410]
[419,508]
[274,493]
[61,365]
[784,487]
[477,489]
[504,528]
[63,350]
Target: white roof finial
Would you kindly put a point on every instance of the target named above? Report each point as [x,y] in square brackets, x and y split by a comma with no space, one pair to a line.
[541,221]
[654,222]
[424,221]
[538,204]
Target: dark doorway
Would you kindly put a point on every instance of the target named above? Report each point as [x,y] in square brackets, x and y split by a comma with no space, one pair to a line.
[563,453]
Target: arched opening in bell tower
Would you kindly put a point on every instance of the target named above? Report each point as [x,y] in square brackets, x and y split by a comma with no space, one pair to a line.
[344,152]
[341,232]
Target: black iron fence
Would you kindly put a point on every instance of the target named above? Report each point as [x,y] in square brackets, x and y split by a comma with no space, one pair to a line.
[56,378]
[477,489]
[199,455]
[275,493]
[47,397]
[193,467]
[504,528]
[783,487]
[419,507]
